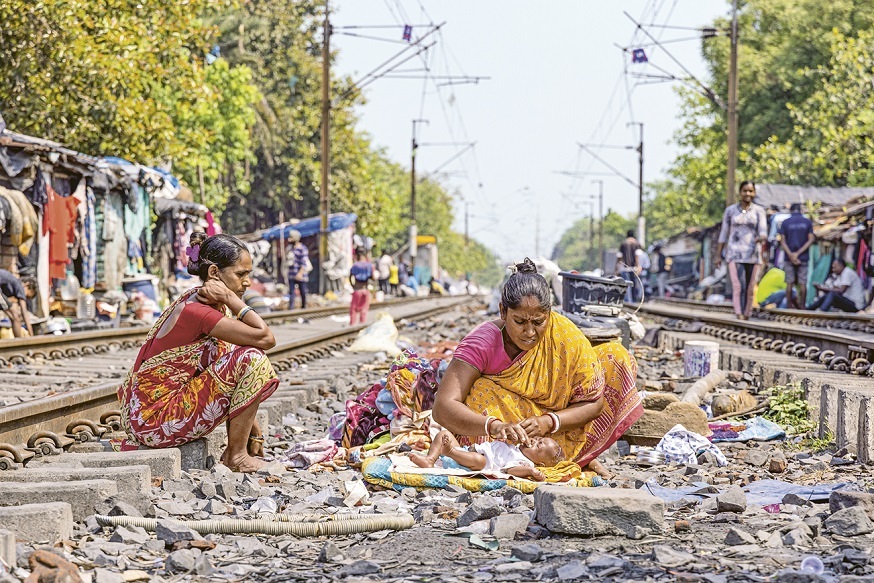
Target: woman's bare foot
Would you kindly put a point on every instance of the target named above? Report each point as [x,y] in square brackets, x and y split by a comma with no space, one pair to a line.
[421,460]
[243,463]
[598,468]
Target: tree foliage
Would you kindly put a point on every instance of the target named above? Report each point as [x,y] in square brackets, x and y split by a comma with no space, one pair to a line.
[832,142]
[578,250]
[110,78]
[803,96]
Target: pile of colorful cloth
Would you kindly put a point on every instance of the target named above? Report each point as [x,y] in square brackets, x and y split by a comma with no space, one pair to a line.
[399,405]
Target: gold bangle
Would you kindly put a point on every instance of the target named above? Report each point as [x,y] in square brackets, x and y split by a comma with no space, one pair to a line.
[243,311]
[256,438]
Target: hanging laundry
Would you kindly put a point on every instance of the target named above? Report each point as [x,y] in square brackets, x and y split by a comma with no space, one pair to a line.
[60,220]
[86,236]
[212,227]
[37,194]
[14,220]
[137,218]
[408,32]
[639,56]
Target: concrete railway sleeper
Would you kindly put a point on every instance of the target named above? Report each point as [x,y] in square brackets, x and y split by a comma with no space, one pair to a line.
[842,354]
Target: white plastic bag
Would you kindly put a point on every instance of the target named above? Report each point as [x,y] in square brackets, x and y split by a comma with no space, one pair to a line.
[381,336]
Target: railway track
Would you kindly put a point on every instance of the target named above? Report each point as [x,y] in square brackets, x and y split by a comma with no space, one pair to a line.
[40,366]
[47,425]
[842,342]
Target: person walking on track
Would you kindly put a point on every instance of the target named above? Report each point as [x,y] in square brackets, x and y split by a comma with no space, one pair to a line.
[744,229]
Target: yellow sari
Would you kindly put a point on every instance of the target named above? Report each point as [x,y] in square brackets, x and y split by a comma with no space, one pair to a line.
[561,370]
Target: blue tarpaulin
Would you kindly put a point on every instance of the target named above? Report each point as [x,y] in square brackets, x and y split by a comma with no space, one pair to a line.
[759,493]
[309,227]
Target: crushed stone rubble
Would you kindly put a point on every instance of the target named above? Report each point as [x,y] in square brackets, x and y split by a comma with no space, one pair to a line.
[716,531]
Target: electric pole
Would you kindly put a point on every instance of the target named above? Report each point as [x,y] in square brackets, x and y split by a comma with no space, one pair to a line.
[641,219]
[324,193]
[591,225]
[732,110]
[414,250]
[466,216]
[600,222]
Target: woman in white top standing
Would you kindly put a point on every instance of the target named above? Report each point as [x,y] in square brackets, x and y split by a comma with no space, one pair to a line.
[744,229]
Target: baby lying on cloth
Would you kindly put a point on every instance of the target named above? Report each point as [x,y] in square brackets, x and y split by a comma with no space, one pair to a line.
[495,456]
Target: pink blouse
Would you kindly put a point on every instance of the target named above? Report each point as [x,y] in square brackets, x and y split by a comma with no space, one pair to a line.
[483,349]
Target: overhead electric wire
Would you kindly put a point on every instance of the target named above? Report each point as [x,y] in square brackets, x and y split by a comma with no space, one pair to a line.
[707,91]
[607,110]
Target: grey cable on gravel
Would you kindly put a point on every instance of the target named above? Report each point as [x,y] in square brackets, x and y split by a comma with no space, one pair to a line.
[302,525]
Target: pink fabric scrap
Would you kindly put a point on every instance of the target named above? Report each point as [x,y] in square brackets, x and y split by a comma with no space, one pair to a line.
[308,453]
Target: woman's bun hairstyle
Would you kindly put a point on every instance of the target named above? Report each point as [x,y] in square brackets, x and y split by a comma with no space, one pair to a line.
[526,282]
[527,266]
[220,250]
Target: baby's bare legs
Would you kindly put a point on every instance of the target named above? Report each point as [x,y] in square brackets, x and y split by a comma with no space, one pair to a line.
[445,444]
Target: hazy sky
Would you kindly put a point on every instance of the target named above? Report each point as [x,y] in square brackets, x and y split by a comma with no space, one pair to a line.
[556,78]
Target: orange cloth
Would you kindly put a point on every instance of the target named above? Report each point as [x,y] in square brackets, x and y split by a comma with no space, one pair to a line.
[61,216]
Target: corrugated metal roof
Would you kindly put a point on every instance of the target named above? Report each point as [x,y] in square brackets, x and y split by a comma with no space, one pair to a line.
[782,195]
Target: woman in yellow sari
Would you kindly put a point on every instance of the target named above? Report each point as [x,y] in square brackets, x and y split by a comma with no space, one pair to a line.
[533,373]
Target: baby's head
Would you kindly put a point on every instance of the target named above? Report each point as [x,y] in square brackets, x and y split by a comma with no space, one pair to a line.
[543,451]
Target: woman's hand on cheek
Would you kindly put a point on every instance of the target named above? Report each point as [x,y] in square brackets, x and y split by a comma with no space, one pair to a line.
[213,292]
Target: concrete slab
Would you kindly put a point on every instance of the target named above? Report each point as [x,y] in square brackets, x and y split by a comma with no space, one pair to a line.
[131,480]
[204,453]
[165,463]
[47,522]
[598,511]
[82,495]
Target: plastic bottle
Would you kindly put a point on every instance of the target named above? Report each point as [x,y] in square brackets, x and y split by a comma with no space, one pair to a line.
[70,288]
[811,564]
[85,309]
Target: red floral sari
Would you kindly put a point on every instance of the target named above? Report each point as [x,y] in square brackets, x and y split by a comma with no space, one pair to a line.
[183,393]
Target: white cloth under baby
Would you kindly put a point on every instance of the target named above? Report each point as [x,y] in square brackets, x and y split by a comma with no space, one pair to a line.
[500,456]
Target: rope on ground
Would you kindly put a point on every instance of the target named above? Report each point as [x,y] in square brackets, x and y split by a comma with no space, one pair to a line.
[297,526]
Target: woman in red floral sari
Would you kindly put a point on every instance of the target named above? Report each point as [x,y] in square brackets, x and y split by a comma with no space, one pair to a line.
[199,367]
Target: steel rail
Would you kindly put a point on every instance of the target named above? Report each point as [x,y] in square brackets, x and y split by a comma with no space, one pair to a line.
[838,349]
[831,320]
[47,425]
[18,350]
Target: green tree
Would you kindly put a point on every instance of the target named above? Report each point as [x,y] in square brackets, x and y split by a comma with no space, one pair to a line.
[832,138]
[112,78]
[574,249]
[280,41]
[783,44]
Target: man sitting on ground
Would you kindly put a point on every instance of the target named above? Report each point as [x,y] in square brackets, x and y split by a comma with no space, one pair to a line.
[846,294]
